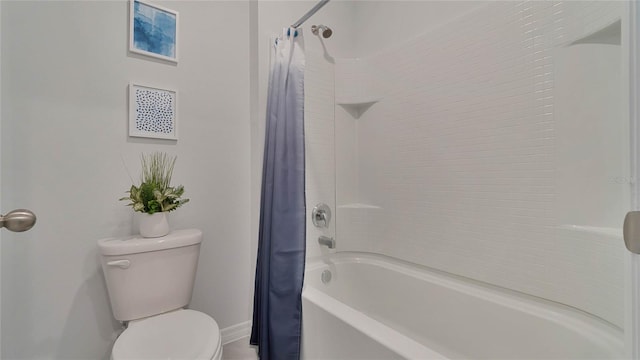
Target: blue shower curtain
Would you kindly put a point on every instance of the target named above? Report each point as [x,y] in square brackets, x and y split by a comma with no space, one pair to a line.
[277,303]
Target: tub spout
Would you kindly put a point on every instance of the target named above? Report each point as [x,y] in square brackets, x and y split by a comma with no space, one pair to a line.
[329,242]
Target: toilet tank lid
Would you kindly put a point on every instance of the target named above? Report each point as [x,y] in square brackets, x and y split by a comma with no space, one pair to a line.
[138,244]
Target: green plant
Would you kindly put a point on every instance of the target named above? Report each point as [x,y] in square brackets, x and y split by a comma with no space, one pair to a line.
[155,193]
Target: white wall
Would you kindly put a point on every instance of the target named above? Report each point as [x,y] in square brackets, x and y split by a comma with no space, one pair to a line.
[463,165]
[379,25]
[1,185]
[65,71]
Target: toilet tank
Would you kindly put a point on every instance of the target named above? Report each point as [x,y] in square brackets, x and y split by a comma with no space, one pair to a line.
[150,276]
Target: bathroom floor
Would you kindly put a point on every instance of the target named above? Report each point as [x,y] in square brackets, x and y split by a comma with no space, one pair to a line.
[239,349]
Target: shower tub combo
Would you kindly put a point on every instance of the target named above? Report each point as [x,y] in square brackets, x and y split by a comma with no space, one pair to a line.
[365,306]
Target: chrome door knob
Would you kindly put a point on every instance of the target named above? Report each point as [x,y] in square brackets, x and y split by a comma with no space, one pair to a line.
[631,231]
[18,220]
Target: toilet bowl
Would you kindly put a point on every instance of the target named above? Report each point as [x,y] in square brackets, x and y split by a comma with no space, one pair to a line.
[150,281]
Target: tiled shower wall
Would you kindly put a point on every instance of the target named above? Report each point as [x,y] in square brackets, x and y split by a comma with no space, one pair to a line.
[319,144]
[462,164]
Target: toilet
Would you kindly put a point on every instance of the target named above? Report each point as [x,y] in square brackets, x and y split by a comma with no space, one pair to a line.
[150,281]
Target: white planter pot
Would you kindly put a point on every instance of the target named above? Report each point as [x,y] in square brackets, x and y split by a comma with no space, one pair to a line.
[154,225]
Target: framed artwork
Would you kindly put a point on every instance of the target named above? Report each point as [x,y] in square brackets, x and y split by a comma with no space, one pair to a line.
[153,31]
[152,112]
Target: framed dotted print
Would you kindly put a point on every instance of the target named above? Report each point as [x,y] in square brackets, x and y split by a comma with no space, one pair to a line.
[152,112]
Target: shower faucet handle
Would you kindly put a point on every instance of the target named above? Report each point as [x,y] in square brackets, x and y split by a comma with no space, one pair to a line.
[321,215]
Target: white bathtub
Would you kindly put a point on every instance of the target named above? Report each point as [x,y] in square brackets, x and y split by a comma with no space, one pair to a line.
[376,307]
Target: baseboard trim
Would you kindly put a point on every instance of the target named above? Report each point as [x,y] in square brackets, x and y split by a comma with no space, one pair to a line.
[235,332]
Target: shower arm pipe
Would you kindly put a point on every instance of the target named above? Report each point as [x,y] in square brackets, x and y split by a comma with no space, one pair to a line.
[309,13]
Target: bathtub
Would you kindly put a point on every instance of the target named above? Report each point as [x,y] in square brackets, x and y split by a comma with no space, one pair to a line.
[375,307]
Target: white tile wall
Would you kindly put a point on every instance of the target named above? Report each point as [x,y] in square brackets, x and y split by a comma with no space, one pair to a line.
[319,144]
[462,157]
[354,82]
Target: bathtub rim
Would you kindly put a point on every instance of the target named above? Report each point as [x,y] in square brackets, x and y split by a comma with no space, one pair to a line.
[592,327]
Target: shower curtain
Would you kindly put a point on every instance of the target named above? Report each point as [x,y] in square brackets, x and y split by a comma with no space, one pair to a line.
[277,303]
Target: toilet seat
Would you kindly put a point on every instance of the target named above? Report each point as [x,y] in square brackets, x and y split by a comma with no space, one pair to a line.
[181,334]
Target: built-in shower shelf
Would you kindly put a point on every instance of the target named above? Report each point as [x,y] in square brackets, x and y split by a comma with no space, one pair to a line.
[358,206]
[595,230]
[357,106]
[608,35]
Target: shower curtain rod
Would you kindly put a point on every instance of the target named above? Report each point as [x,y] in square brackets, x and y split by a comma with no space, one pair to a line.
[309,13]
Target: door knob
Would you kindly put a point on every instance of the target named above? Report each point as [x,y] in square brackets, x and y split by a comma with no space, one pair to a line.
[18,220]
[631,231]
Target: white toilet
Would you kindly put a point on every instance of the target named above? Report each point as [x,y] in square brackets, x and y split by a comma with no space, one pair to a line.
[150,281]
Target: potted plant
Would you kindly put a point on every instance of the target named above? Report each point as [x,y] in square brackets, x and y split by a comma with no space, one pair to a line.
[155,196]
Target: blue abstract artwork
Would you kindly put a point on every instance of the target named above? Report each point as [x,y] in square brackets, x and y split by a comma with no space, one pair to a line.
[154,30]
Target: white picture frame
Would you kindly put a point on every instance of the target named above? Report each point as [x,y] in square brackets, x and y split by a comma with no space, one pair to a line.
[153,30]
[153,112]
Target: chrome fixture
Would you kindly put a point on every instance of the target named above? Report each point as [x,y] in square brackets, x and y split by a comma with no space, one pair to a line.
[323,29]
[18,220]
[329,242]
[309,13]
[631,231]
[321,215]
[122,264]
[325,277]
